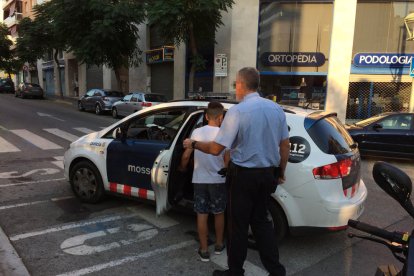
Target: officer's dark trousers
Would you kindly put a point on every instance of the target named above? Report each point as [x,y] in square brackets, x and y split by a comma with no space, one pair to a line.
[248,198]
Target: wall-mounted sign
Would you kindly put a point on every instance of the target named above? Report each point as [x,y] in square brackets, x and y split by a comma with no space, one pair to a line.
[298,59]
[159,55]
[382,60]
[220,65]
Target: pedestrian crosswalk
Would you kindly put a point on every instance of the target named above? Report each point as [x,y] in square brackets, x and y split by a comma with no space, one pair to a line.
[40,139]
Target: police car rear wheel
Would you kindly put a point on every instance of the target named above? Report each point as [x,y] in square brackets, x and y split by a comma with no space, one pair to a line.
[280,224]
[86,182]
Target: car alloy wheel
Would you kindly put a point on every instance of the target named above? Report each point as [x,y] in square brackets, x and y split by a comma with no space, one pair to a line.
[98,109]
[114,113]
[86,182]
[80,106]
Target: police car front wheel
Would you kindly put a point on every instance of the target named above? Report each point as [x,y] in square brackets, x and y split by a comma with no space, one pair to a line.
[86,182]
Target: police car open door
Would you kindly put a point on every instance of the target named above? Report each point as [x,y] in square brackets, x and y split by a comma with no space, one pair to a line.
[166,180]
[132,156]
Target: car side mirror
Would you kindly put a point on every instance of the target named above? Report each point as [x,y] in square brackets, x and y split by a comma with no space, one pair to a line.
[377,127]
[395,183]
[117,133]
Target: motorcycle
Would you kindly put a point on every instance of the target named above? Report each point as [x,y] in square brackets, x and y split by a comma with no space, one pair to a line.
[398,185]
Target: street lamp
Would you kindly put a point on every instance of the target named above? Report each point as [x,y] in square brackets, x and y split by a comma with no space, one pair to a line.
[409,24]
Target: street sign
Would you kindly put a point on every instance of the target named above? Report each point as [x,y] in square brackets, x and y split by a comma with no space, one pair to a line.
[411,69]
[220,65]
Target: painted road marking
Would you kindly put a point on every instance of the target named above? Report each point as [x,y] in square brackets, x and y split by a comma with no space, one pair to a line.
[129,259]
[58,162]
[148,214]
[84,130]
[50,116]
[4,207]
[35,139]
[30,182]
[76,245]
[68,226]
[7,147]
[14,174]
[250,269]
[62,134]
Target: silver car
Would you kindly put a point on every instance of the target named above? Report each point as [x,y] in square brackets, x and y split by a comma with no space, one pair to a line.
[134,102]
[99,100]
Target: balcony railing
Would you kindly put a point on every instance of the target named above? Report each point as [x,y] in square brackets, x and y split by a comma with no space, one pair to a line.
[13,20]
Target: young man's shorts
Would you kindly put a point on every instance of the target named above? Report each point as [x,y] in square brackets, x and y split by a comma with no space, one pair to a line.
[210,198]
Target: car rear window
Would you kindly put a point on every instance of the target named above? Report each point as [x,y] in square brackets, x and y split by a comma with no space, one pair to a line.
[330,136]
[113,94]
[155,98]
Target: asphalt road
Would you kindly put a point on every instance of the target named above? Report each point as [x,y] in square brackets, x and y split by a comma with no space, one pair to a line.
[55,234]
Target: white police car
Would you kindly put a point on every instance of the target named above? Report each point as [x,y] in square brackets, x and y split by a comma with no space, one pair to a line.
[138,157]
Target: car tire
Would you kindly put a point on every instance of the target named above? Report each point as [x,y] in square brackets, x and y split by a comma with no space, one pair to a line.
[98,109]
[115,113]
[280,224]
[86,182]
[80,106]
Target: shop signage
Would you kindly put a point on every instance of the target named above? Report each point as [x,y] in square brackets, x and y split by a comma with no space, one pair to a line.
[163,54]
[298,59]
[383,60]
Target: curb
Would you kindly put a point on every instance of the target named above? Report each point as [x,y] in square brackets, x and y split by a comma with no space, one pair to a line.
[10,262]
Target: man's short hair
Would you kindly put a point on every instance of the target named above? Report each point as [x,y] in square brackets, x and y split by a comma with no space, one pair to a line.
[250,77]
[214,109]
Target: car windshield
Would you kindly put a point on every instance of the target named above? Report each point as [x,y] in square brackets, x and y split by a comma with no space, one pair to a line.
[113,94]
[369,121]
[155,98]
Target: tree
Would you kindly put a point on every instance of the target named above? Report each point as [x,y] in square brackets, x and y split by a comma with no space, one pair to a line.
[8,61]
[40,36]
[102,32]
[190,21]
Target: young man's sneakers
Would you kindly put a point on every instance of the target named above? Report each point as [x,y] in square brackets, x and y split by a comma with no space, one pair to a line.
[204,255]
[218,249]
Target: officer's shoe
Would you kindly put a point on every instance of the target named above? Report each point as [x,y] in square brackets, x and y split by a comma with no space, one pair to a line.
[218,249]
[204,255]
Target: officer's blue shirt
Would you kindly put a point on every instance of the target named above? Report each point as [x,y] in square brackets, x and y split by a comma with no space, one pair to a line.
[253,130]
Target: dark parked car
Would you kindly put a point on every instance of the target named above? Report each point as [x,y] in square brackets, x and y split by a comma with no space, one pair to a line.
[99,100]
[6,86]
[388,134]
[31,90]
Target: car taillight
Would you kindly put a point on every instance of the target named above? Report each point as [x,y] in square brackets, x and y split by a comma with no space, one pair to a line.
[336,170]
[146,104]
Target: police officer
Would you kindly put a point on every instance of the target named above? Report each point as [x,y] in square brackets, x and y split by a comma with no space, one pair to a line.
[256,132]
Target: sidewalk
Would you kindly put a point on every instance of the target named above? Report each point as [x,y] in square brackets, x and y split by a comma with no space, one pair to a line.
[73,101]
[10,262]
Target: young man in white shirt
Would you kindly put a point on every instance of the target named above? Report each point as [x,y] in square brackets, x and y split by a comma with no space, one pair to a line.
[210,196]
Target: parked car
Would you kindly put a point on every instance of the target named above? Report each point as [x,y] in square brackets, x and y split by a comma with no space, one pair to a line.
[99,100]
[150,99]
[138,157]
[31,90]
[388,134]
[6,86]
[129,104]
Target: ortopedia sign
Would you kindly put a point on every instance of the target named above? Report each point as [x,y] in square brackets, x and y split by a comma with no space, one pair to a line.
[298,59]
[382,60]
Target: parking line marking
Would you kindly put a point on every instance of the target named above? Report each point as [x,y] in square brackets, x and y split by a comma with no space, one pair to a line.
[7,147]
[22,204]
[4,207]
[250,269]
[62,134]
[58,158]
[84,130]
[35,139]
[58,164]
[129,259]
[67,227]
[30,182]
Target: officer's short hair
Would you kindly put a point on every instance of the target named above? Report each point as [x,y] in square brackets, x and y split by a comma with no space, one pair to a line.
[214,109]
[250,77]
